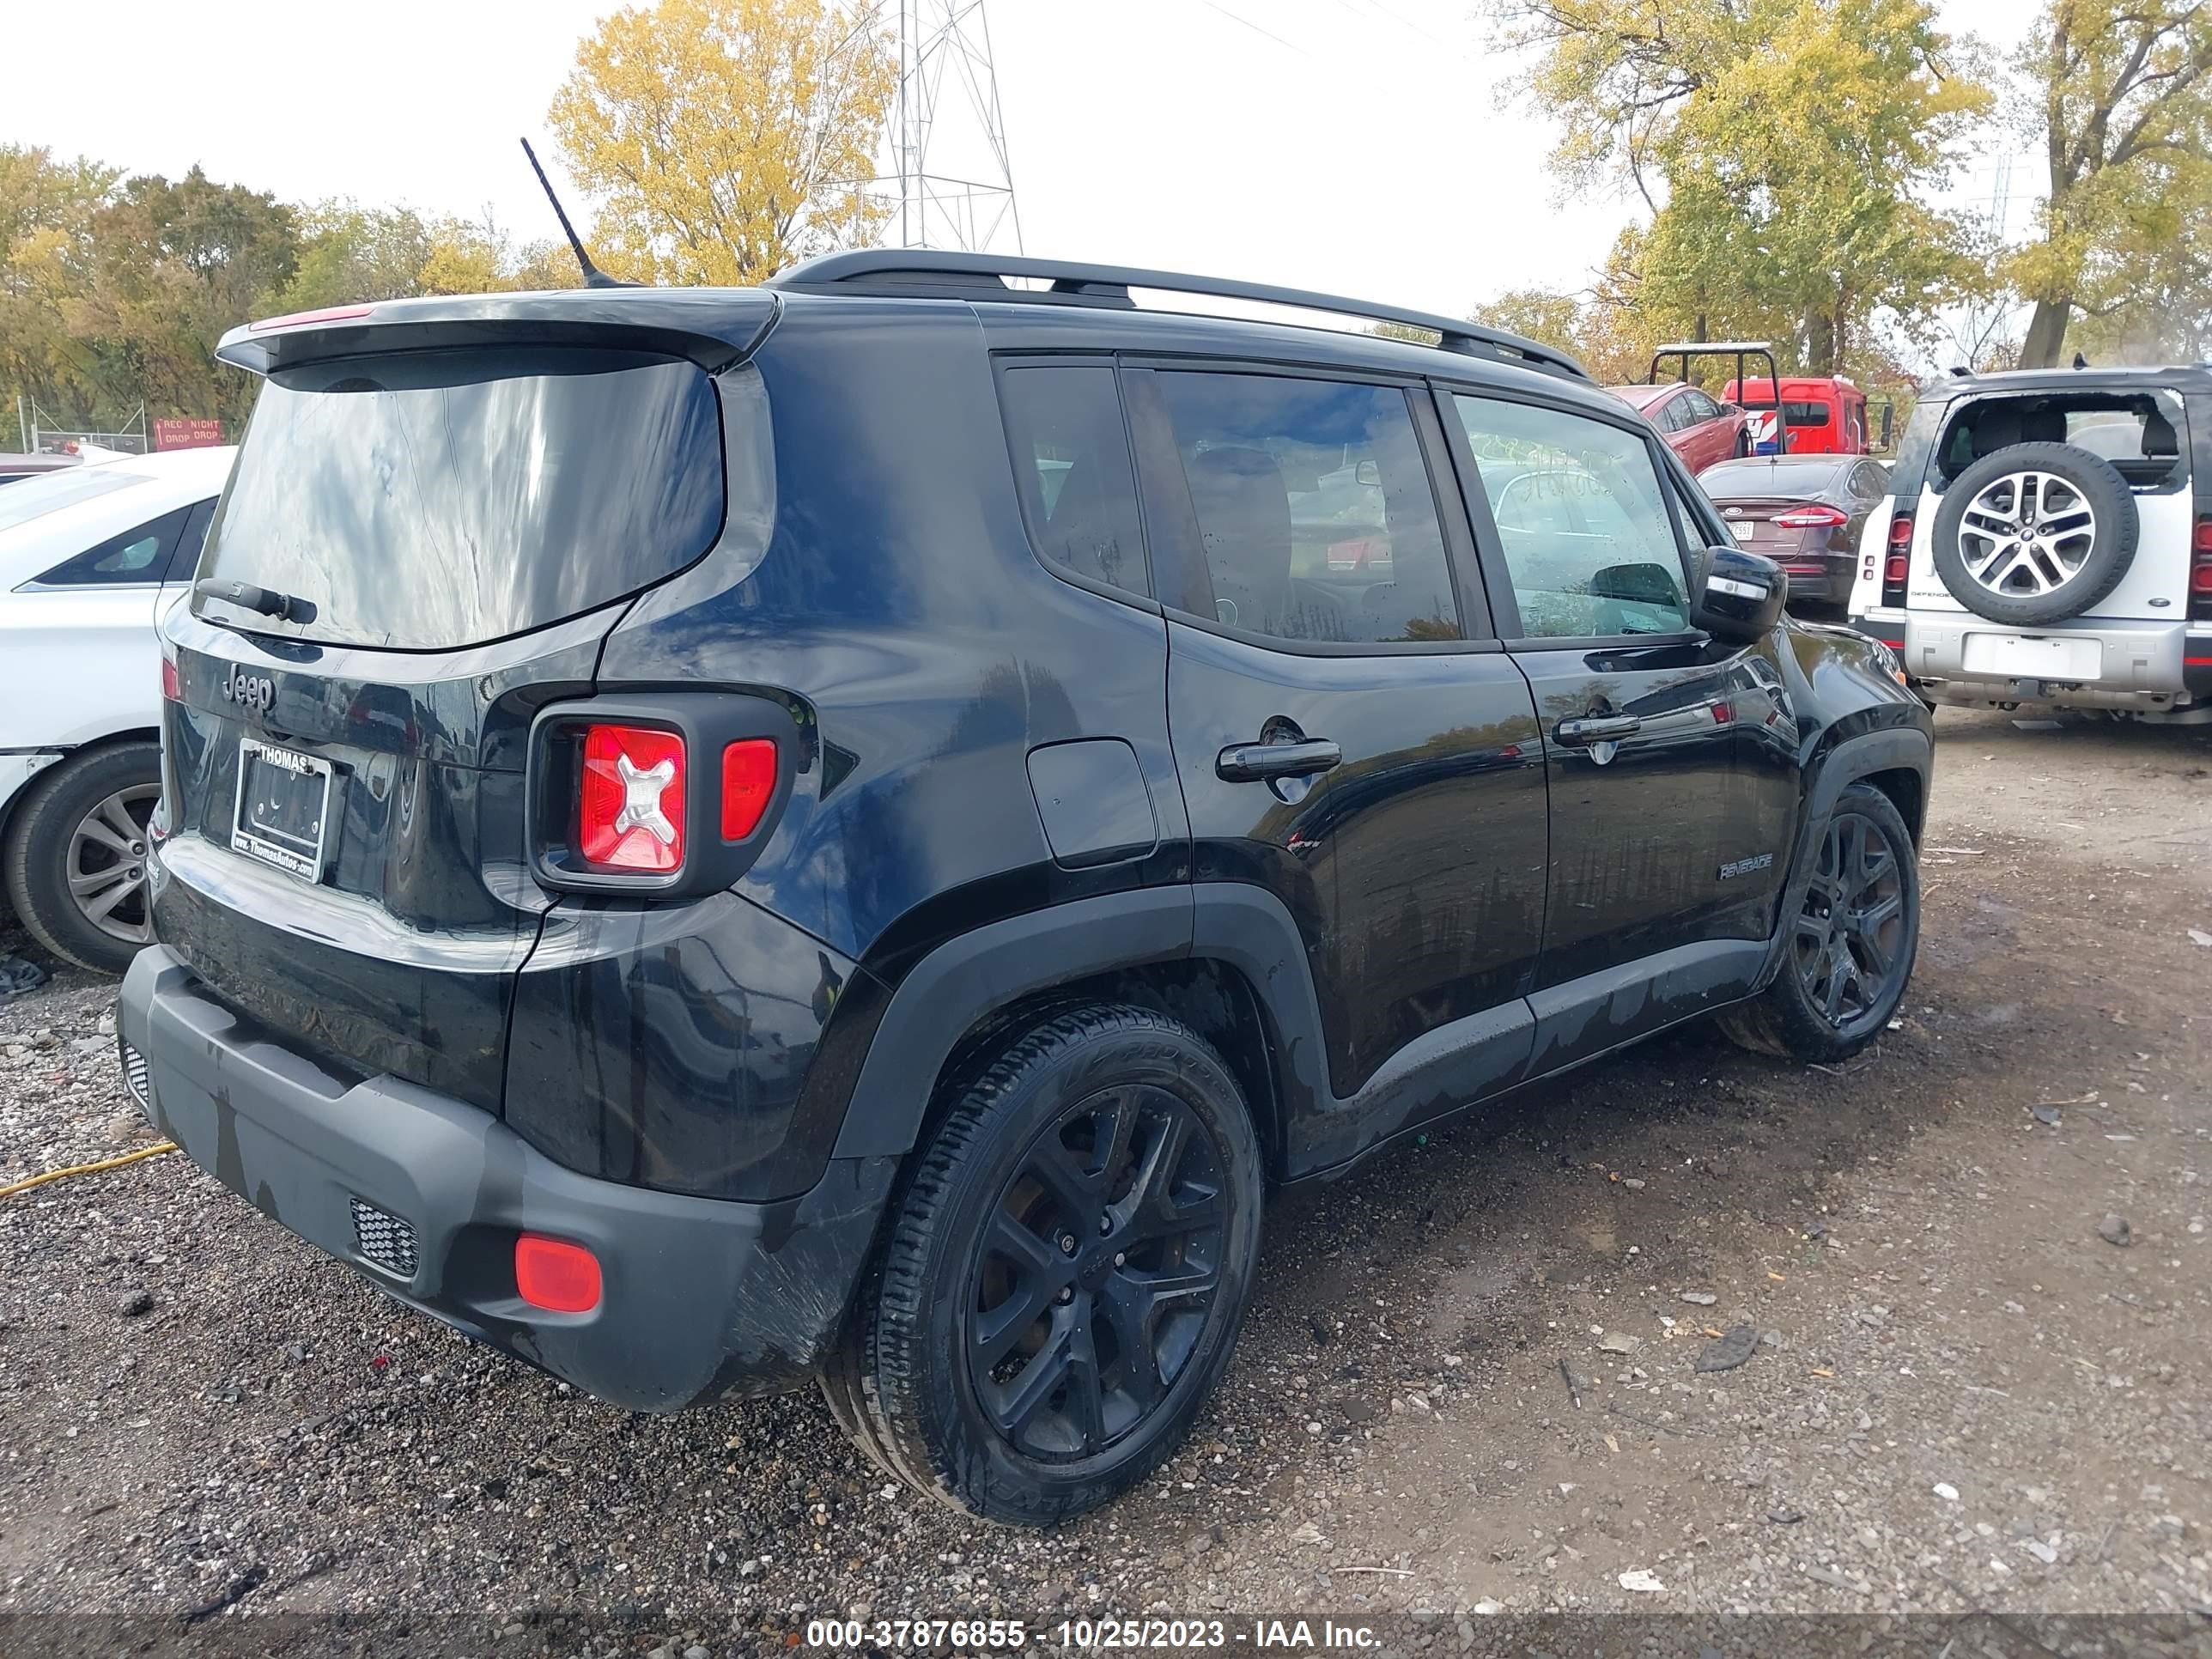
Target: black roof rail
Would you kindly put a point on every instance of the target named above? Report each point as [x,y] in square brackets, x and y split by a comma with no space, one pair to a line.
[938,274]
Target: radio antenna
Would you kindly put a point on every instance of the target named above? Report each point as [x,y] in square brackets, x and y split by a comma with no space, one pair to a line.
[593,276]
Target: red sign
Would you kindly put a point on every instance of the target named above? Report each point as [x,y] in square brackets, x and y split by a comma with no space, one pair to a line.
[187,433]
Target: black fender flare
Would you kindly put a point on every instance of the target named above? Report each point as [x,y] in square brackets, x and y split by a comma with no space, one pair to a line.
[1907,748]
[1243,927]
[966,977]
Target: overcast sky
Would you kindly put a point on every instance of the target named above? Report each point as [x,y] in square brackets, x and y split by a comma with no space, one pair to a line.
[1348,145]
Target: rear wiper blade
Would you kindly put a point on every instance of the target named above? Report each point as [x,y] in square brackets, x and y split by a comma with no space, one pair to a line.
[285,607]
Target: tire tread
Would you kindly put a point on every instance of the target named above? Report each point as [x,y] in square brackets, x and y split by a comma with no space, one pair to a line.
[875,1382]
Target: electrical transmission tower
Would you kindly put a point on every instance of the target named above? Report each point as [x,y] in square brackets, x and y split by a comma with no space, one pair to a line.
[953,186]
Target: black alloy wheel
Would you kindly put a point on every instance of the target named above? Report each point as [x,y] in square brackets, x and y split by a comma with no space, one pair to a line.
[1850,944]
[1065,1273]
[1094,1276]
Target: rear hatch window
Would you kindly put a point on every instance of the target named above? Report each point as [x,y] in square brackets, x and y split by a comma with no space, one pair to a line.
[431,500]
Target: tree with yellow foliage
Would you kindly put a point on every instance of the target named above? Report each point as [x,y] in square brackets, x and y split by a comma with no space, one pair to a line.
[1788,152]
[2123,113]
[726,139]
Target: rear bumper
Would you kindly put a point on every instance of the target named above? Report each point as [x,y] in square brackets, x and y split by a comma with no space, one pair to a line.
[1817,581]
[2081,663]
[702,1296]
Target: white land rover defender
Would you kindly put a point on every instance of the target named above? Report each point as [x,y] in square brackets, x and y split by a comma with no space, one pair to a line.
[2049,540]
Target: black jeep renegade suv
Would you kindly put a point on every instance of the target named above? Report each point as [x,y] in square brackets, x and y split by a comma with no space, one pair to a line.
[850,830]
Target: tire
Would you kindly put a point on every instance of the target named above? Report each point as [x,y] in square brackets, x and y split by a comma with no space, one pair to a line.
[2080,555]
[1742,443]
[1023,1261]
[1827,1002]
[75,823]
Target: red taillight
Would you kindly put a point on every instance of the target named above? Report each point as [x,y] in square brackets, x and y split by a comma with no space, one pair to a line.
[555,1275]
[748,784]
[2204,537]
[630,815]
[171,690]
[1815,516]
[1899,564]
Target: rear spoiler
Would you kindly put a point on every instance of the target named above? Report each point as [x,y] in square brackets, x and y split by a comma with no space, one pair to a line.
[714,328]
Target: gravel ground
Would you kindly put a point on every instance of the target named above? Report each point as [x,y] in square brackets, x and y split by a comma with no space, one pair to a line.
[1471,1381]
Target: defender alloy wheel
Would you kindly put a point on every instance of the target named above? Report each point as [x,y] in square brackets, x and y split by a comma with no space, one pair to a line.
[2034,533]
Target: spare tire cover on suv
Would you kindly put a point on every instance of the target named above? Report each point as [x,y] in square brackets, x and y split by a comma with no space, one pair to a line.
[2034,532]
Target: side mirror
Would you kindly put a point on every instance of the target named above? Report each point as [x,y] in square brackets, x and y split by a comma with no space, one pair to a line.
[1369,473]
[1888,424]
[1739,595]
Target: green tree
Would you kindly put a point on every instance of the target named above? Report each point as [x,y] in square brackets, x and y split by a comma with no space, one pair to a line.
[174,265]
[349,252]
[48,207]
[2123,108]
[1785,150]
[727,138]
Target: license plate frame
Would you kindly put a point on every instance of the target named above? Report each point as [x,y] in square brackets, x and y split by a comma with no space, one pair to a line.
[301,852]
[2064,658]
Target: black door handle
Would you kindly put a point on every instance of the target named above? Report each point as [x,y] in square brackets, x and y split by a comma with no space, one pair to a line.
[1597,728]
[1254,762]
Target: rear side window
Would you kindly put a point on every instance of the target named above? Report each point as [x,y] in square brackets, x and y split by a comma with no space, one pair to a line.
[1582,518]
[137,555]
[1071,463]
[424,501]
[185,557]
[1313,506]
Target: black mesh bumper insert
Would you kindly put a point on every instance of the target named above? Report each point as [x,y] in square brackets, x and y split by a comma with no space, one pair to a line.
[385,1240]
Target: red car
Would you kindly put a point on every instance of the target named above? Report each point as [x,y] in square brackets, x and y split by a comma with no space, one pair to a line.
[1699,430]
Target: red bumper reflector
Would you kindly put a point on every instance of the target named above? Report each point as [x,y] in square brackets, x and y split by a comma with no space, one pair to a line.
[555,1275]
[748,784]
[171,689]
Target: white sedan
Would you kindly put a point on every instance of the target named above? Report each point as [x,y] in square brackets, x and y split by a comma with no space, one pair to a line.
[90,558]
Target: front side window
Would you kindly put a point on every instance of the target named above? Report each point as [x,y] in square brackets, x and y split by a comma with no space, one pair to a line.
[1701,408]
[138,555]
[1314,509]
[1582,518]
[1071,463]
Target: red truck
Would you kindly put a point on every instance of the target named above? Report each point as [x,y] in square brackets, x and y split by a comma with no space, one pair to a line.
[1826,414]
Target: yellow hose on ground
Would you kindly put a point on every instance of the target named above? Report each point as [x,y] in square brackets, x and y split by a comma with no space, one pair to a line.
[25,1185]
